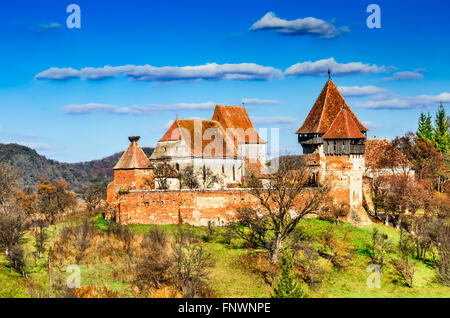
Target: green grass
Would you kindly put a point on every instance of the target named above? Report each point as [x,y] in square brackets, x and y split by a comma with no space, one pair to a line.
[229,278]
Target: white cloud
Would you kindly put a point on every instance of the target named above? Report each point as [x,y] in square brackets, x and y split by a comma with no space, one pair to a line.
[55,73]
[382,98]
[393,101]
[321,67]
[306,26]
[89,108]
[49,26]
[257,101]
[372,125]
[209,71]
[406,75]
[360,91]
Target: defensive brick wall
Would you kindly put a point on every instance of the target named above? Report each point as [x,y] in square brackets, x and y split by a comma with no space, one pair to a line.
[195,207]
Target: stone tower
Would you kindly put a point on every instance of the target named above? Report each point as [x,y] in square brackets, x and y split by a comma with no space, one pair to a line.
[133,172]
[333,141]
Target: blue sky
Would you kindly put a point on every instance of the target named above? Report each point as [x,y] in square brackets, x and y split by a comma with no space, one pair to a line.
[57,96]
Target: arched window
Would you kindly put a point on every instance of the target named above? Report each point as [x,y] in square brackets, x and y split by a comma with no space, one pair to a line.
[177,166]
[234,173]
[223,168]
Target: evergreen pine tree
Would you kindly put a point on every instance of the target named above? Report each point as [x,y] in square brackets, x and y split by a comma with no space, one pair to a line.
[288,285]
[441,131]
[425,129]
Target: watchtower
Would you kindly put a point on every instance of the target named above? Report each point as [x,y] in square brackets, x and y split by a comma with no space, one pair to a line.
[333,142]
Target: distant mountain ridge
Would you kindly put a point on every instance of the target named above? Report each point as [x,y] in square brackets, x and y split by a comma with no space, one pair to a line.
[31,166]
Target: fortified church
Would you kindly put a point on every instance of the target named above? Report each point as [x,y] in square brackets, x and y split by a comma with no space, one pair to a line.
[228,146]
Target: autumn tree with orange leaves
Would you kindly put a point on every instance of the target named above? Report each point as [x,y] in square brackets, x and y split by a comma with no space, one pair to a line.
[54,198]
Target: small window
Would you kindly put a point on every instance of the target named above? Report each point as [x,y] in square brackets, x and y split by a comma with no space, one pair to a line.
[177,166]
[223,168]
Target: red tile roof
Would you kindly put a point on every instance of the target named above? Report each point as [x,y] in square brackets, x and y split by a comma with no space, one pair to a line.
[214,141]
[134,157]
[325,110]
[236,122]
[343,127]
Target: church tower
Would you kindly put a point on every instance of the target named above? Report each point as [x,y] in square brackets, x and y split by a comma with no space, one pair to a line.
[333,142]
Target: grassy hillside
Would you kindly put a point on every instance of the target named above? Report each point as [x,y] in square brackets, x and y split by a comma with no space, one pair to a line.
[240,272]
[31,166]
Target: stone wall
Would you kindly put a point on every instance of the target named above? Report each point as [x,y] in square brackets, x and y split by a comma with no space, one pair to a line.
[345,176]
[195,207]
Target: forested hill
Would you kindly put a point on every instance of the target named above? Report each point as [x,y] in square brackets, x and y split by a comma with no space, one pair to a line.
[31,166]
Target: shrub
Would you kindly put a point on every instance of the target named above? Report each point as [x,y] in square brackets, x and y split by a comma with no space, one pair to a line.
[191,265]
[210,232]
[153,265]
[311,271]
[229,233]
[94,292]
[16,257]
[82,235]
[12,227]
[334,250]
[288,285]
[443,247]
[379,247]
[404,268]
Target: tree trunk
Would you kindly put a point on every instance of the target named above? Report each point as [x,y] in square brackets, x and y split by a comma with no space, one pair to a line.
[386,219]
[399,222]
[49,276]
[276,248]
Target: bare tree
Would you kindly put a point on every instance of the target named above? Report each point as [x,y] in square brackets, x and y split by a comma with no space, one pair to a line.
[93,195]
[311,271]
[286,200]
[209,177]
[379,247]
[163,171]
[12,226]
[404,268]
[189,178]
[443,247]
[12,229]
[153,266]
[8,180]
[191,265]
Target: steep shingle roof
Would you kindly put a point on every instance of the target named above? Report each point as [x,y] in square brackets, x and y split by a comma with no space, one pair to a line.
[210,138]
[325,110]
[236,122]
[343,127]
[134,157]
